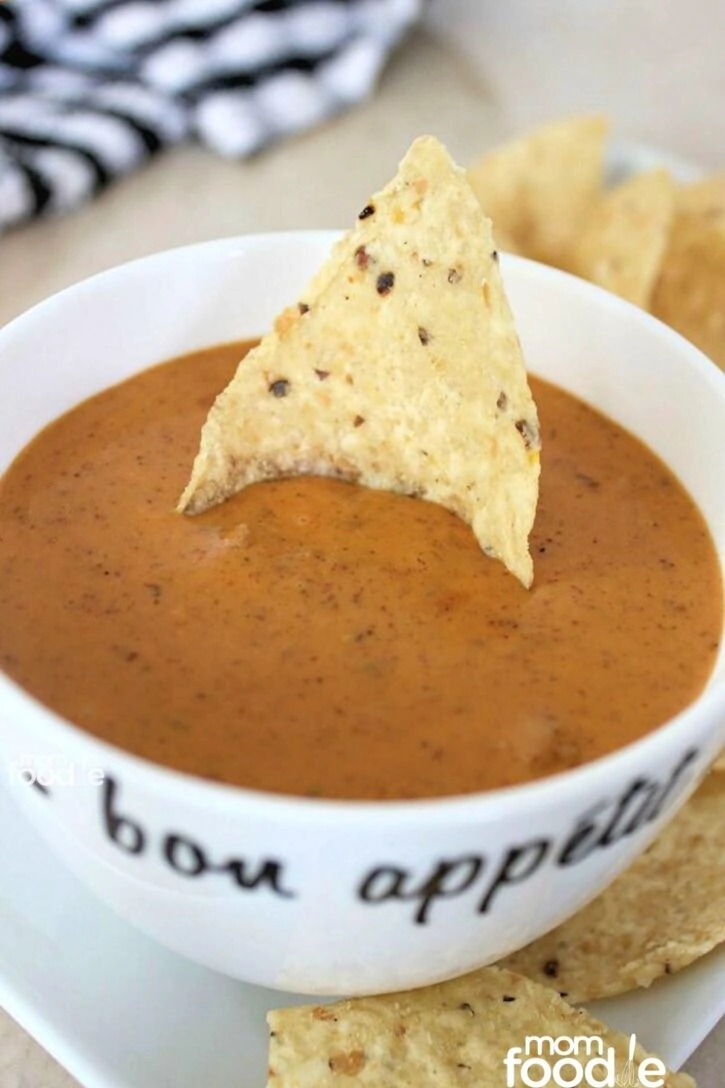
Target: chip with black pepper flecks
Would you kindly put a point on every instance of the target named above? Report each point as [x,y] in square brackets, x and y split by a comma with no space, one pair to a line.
[659,916]
[425,391]
[456,1034]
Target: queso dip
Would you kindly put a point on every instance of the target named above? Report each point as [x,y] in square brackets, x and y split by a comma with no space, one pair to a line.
[311,637]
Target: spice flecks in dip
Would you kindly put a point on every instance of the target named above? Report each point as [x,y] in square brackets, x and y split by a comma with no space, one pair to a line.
[313,637]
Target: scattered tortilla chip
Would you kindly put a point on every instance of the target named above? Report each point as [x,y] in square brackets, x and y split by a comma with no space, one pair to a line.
[704,198]
[400,369]
[505,242]
[453,1035]
[719,764]
[667,910]
[538,189]
[690,291]
[625,236]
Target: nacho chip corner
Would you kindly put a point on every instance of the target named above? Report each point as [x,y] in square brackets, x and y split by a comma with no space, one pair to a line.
[398,368]
[539,187]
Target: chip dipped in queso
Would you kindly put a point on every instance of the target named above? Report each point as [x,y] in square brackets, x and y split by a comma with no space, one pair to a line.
[315,637]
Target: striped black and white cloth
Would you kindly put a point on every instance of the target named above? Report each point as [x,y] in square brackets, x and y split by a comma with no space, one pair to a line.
[89,89]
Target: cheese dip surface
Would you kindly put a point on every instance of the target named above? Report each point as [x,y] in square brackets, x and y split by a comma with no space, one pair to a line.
[311,637]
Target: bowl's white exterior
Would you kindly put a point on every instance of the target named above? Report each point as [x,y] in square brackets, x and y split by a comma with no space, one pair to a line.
[326,897]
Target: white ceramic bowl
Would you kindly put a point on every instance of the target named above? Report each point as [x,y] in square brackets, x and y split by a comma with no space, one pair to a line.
[339,897]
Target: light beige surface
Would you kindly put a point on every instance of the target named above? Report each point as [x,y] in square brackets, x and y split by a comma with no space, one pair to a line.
[655,67]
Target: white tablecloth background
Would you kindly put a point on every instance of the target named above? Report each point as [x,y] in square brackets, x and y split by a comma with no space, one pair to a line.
[481,70]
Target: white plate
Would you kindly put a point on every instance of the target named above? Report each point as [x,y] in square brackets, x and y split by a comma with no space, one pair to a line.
[118,1010]
[623,160]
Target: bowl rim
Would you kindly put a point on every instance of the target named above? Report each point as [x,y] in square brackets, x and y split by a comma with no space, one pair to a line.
[193,791]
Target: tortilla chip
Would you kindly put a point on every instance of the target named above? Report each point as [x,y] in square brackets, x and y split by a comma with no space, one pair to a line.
[452,1035]
[400,369]
[719,764]
[506,242]
[539,188]
[667,910]
[690,291]
[624,238]
[704,198]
